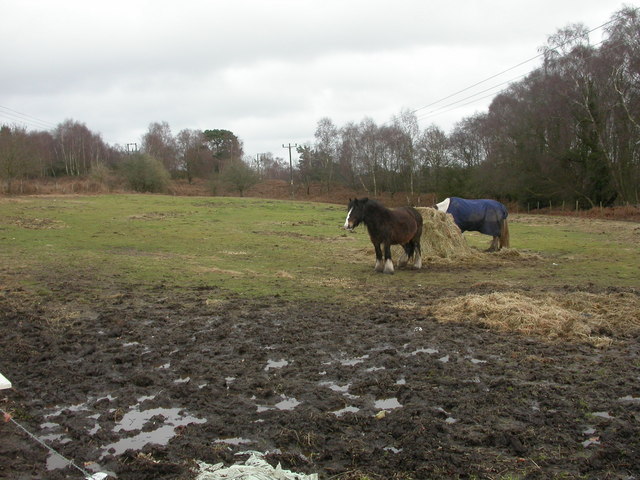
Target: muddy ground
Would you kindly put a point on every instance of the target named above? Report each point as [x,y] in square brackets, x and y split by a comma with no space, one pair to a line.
[141,384]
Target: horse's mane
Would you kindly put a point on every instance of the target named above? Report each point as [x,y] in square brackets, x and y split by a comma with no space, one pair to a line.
[382,212]
[375,204]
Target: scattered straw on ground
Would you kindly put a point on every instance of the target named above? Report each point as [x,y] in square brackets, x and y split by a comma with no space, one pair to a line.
[592,317]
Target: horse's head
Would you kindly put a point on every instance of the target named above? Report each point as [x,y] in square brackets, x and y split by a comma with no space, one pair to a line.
[355,213]
[443,206]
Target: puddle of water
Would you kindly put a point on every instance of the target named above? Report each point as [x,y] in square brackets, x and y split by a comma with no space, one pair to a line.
[450,420]
[160,436]
[444,359]
[629,398]
[374,369]
[602,415]
[476,361]
[108,397]
[136,419]
[275,364]
[393,449]
[145,398]
[401,381]
[55,437]
[350,362]
[344,389]
[589,431]
[429,351]
[182,380]
[591,441]
[287,404]
[73,408]
[56,462]
[342,411]
[387,404]
[233,440]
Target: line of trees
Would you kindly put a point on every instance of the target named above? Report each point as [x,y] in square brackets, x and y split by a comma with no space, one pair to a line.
[568,132]
[71,149]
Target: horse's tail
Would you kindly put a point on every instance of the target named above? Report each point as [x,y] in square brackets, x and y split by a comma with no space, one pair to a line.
[504,234]
[415,242]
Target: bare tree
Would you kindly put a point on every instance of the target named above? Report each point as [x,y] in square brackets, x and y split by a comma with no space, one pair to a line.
[160,143]
[326,149]
[193,156]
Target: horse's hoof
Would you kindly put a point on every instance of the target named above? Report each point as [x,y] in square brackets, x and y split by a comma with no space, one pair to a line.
[388,267]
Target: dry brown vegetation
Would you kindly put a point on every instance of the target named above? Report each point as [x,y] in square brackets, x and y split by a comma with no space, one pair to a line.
[570,316]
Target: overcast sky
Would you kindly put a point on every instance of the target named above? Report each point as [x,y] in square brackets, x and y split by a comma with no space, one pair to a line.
[267,70]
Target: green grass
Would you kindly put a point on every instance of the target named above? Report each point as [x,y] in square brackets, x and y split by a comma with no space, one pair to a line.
[256,247]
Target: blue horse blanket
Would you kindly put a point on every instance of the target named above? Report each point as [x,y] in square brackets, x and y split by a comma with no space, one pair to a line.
[484,216]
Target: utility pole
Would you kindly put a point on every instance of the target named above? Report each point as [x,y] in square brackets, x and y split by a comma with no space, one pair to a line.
[260,164]
[290,165]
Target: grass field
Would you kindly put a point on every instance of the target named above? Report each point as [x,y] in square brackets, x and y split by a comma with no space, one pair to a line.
[266,247]
[517,364]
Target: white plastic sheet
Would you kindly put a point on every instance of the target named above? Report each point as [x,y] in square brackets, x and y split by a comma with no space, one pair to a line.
[4,383]
[254,468]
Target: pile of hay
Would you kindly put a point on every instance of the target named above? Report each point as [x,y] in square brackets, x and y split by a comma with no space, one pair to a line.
[591,317]
[441,237]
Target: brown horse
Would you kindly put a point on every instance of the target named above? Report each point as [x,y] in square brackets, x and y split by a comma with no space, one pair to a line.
[402,226]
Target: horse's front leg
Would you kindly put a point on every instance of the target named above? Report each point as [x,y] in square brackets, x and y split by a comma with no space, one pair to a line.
[404,258]
[379,264]
[388,264]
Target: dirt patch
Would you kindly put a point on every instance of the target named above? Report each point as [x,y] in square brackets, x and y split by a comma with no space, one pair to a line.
[34,223]
[142,384]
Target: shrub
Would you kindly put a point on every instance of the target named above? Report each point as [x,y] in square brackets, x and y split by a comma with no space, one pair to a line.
[239,176]
[144,173]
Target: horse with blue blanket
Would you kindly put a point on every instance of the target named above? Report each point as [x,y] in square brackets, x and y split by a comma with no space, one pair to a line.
[484,216]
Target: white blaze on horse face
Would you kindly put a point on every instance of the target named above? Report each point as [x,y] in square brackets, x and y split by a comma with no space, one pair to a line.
[443,206]
[346,222]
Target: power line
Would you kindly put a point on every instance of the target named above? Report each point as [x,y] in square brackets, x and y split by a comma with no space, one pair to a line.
[494,76]
[441,110]
[438,111]
[14,115]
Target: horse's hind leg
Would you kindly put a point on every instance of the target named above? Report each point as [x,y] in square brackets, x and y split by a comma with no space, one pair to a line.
[417,254]
[495,245]
[388,264]
[379,263]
